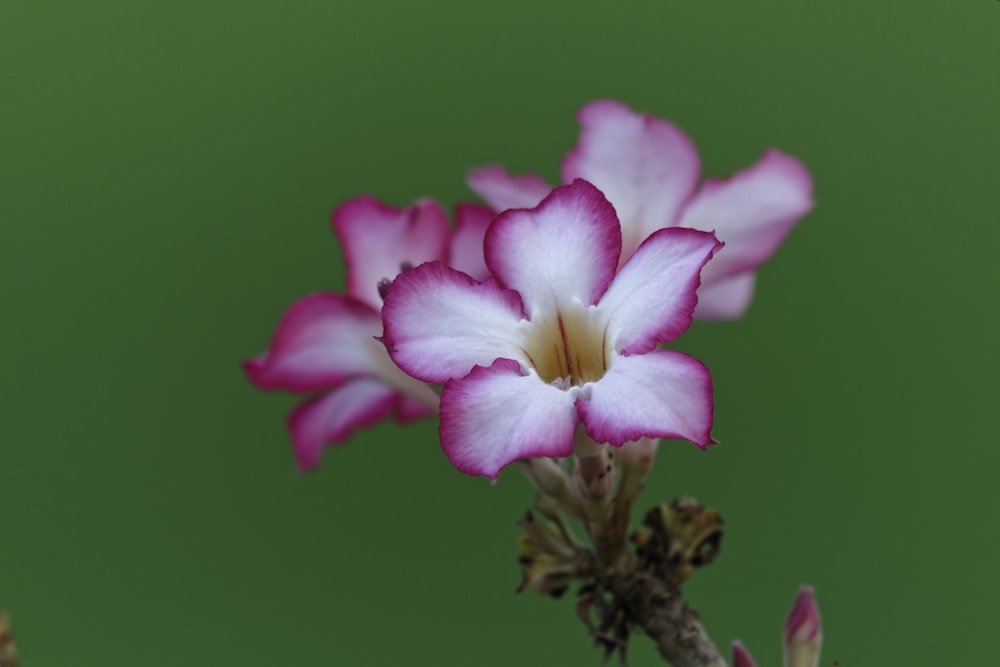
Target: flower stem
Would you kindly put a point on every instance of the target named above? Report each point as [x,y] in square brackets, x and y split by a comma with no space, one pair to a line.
[8,654]
[656,606]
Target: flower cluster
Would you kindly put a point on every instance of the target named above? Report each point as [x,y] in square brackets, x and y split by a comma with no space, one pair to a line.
[533,325]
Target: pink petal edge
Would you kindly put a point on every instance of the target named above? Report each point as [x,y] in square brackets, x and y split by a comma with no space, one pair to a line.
[465,251]
[379,241]
[803,621]
[565,249]
[661,394]
[646,167]
[502,191]
[332,417]
[496,415]
[439,323]
[652,298]
[320,340]
[751,211]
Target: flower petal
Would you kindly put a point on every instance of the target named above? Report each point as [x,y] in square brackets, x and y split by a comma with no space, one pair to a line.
[741,657]
[410,409]
[439,323]
[662,394]
[751,212]
[646,167]
[332,417]
[725,299]
[321,340]
[380,241]
[466,244]
[496,415]
[804,622]
[502,191]
[651,299]
[563,251]
[803,631]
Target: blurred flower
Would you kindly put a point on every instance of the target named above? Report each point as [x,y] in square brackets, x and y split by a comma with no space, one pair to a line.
[803,635]
[741,657]
[560,336]
[325,345]
[649,170]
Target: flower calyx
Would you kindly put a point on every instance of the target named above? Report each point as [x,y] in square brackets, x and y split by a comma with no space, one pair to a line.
[615,594]
[679,537]
[550,556]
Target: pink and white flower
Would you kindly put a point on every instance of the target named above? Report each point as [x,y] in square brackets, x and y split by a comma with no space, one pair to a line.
[649,170]
[803,635]
[803,631]
[325,345]
[560,337]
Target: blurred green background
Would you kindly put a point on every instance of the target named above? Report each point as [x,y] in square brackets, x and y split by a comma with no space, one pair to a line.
[166,175]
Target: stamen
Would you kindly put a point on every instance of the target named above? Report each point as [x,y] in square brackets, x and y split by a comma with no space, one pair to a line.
[563,383]
[383,287]
[568,348]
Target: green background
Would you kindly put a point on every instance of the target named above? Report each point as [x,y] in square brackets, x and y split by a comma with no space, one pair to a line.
[166,175]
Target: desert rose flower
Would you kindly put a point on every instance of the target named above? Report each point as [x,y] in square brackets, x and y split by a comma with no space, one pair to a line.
[649,170]
[803,634]
[741,657]
[802,638]
[560,337]
[325,345]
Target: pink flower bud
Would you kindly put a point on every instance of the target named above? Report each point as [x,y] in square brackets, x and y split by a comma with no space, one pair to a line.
[741,658]
[803,635]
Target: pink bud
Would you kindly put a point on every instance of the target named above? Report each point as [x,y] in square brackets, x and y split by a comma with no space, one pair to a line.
[803,621]
[741,658]
[803,635]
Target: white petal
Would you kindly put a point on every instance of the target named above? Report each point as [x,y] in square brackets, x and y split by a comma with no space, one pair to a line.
[725,299]
[465,248]
[496,415]
[332,417]
[651,299]
[503,191]
[646,167]
[321,340]
[439,323]
[751,212]
[380,241]
[662,394]
[564,251]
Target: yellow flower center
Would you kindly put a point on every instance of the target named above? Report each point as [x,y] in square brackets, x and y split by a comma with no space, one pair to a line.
[569,348]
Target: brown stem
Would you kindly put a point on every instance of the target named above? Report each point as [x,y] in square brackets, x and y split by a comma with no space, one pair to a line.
[8,655]
[656,607]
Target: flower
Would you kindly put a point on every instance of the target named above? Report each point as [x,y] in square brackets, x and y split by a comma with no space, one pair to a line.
[560,337]
[649,171]
[803,633]
[741,657]
[325,344]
